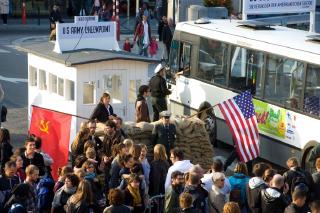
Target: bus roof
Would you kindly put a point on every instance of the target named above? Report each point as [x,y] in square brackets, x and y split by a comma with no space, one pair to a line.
[283,41]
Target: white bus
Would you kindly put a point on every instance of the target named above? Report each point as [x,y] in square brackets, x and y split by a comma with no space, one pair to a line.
[281,67]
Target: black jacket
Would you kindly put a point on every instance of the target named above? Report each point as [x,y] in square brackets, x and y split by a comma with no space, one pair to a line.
[316,188]
[254,188]
[158,87]
[164,136]
[199,196]
[160,29]
[291,174]
[5,153]
[37,160]
[166,34]
[188,210]
[101,113]
[273,201]
[157,177]
[117,209]
[128,201]
[292,208]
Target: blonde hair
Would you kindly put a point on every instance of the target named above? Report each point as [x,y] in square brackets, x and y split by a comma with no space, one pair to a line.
[241,168]
[185,200]
[83,193]
[30,170]
[292,162]
[128,142]
[80,136]
[231,207]
[80,173]
[91,153]
[159,152]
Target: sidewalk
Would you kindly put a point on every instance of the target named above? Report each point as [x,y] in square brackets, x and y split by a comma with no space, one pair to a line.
[42,25]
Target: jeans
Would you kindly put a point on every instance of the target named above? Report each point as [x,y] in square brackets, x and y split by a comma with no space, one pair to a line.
[144,50]
[158,105]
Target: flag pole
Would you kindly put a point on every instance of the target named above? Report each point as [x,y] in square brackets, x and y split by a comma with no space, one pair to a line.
[191,116]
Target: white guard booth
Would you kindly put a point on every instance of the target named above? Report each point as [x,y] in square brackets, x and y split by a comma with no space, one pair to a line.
[73,82]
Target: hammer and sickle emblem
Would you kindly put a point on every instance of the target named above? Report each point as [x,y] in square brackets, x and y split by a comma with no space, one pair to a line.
[44,126]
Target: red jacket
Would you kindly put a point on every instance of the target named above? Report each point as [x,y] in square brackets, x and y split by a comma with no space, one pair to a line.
[140,31]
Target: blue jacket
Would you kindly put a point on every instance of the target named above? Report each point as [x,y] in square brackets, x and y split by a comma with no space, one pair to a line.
[239,181]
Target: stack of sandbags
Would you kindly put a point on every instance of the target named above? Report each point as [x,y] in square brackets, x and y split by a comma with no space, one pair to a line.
[140,133]
[193,138]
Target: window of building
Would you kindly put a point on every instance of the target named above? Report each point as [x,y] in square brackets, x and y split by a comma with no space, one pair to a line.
[312,90]
[113,86]
[134,90]
[213,59]
[284,81]
[61,86]
[88,93]
[33,76]
[69,90]
[42,80]
[246,70]
[53,83]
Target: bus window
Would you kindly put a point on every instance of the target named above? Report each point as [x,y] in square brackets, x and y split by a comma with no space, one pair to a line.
[174,56]
[312,91]
[185,59]
[284,81]
[246,70]
[213,58]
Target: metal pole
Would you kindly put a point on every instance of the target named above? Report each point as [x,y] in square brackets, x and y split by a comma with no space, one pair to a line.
[312,26]
[128,8]
[244,13]
[137,7]
[38,15]
[174,11]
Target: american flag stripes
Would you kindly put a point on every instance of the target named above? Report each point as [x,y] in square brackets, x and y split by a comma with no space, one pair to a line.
[240,116]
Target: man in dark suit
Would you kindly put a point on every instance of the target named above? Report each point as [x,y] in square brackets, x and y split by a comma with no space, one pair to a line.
[165,132]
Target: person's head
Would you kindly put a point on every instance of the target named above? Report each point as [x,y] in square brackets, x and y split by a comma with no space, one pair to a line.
[299,197]
[110,127]
[80,174]
[176,154]
[292,162]
[79,161]
[217,165]
[18,160]
[88,144]
[165,117]
[127,40]
[259,169]
[144,18]
[185,200]
[120,150]
[318,164]
[231,207]
[164,18]
[10,169]
[116,197]
[128,161]
[218,179]
[135,151]
[71,180]
[89,167]
[92,126]
[144,151]
[160,70]
[277,181]
[118,122]
[159,152]
[154,39]
[32,173]
[30,145]
[84,192]
[197,169]
[105,99]
[177,178]
[134,181]
[144,90]
[91,153]
[38,142]
[64,171]
[315,206]
[241,168]
[194,179]
[268,175]
[128,143]
[4,135]
[170,22]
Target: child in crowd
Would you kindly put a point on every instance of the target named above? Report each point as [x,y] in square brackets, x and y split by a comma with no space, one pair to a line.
[128,143]
[315,206]
[298,204]
[185,203]
[127,45]
[153,47]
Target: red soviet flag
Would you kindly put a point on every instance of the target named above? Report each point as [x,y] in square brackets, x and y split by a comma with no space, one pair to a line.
[54,130]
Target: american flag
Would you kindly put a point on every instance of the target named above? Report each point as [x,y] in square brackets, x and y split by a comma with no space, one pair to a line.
[240,116]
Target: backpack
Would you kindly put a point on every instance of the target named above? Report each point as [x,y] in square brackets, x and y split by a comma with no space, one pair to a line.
[4,112]
[45,193]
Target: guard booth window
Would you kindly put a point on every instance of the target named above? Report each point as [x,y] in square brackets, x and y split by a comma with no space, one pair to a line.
[213,59]
[180,58]
[246,70]
[312,90]
[284,81]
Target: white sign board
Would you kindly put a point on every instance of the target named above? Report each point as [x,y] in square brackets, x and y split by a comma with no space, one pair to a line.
[278,6]
[85,35]
[78,19]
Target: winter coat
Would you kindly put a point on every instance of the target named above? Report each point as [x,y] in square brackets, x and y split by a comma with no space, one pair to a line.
[157,177]
[253,190]
[37,160]
[273,201]
[139,33]
[142,111]
[160,29]
[115,177]
[4,6]
[166,34]
[164,135]
[5,153]
[216,200]
[101,113]
[199,196]
[109,142]
[128,201]
[292,208]
[171,204]
[207,183]
[292,173]
[316,188]
[158,87]
[61,198]
[239,181]
[117,209]
[188,210]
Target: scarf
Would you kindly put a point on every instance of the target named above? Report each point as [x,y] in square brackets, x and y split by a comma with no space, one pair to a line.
[135,194]
[90,176]
[70,191]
